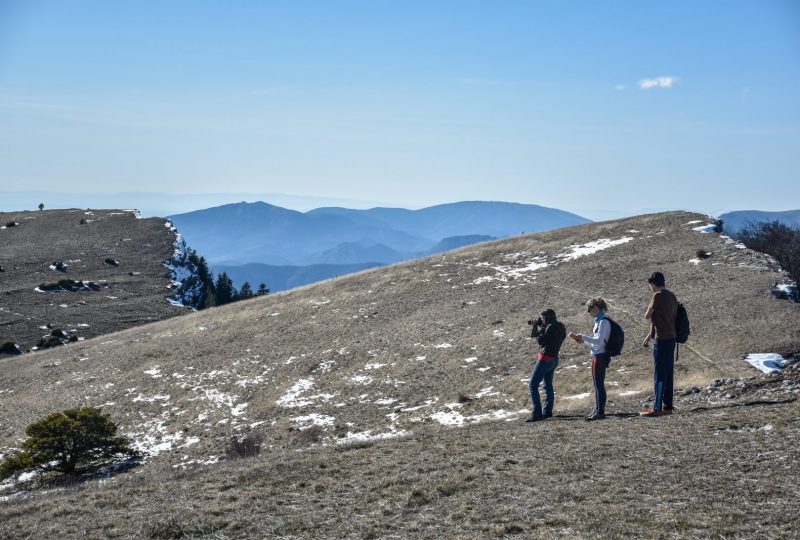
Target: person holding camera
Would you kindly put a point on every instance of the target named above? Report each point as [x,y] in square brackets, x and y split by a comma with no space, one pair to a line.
[596,307]
[550,334]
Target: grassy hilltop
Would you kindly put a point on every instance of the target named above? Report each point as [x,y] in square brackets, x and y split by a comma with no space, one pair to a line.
[353,384]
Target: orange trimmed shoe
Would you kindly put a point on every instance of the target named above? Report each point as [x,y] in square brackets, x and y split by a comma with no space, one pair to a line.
[650,412]
[667,410]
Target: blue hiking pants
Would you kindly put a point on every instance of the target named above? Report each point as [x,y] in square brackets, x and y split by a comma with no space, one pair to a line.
[543,371]
[663,372]
[599,366]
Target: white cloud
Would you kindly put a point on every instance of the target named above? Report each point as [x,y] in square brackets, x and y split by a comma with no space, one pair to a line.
[658,82]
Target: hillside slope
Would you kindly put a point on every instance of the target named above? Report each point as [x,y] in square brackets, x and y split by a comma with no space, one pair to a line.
[404,352]
[441,340]
[128,294]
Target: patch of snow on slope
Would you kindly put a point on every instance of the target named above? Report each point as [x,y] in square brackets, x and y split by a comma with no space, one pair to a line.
[581,250]
[766,362]
[579,396]
[367,436]
[314,419]
[708,228]
[294,398]
[154,372]
[486,392]
[361,379]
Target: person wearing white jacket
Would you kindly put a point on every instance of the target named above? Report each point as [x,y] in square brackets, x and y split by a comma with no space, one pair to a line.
[600,358]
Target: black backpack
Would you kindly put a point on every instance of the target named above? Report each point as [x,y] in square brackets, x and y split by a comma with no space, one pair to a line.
[682,325]
[616,339]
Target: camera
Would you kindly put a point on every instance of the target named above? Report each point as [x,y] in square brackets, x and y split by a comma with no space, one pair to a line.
[536,322]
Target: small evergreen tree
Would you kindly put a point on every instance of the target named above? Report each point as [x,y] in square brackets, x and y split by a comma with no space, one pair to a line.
[225,291]
[262,290]
[209,298]
[67,441]
[41,206]
[245,292]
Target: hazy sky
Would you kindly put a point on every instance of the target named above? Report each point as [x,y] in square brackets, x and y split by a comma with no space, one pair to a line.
[578,105]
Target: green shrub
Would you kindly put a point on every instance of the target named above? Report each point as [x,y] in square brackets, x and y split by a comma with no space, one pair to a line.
[65,442]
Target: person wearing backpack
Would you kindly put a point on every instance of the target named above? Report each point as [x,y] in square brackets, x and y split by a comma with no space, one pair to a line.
[603,346]
[550,334]
[662,312]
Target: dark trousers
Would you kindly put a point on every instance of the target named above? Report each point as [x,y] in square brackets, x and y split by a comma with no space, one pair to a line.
[663,372]
[543,371]
[599,366]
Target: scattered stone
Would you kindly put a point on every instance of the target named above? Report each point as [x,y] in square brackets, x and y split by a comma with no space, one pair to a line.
[10,348]
[703,254]
[73,339]
[11,224]
[59,266]
[84,222]
[111,262]
[59,333]
[49,341]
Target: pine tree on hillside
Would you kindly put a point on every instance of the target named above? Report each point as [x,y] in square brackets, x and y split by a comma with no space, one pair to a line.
[262,290]
[225,291]
[66,442]
[209,297]
[245,292]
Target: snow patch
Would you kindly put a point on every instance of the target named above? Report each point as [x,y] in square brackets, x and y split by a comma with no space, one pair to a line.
[314,419]
[582,250]
[374,366]
[579,396]
[293,397]
[486,392]
[153,372]
[766,362]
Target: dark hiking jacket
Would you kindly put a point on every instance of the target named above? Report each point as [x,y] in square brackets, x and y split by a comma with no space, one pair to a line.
[551,338]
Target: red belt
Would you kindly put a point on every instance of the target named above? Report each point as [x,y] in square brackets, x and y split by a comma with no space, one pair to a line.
[545,357]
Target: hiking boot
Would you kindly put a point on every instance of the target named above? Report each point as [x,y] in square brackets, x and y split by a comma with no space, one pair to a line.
[667,410]
[595,416]
[650,412]
[535,418]
[547,415]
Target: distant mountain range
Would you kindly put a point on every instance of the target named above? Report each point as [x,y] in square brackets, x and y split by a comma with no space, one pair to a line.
[259,232]
[161,204]
[333,241]
[733,222]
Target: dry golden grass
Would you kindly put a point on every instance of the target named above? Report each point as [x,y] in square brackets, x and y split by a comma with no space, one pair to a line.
[140,245]
[373,348]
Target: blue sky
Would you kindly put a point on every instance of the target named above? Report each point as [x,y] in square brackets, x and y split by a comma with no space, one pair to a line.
[588,106]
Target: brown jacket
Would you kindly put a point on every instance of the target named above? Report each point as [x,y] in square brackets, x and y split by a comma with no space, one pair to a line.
[665,312]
